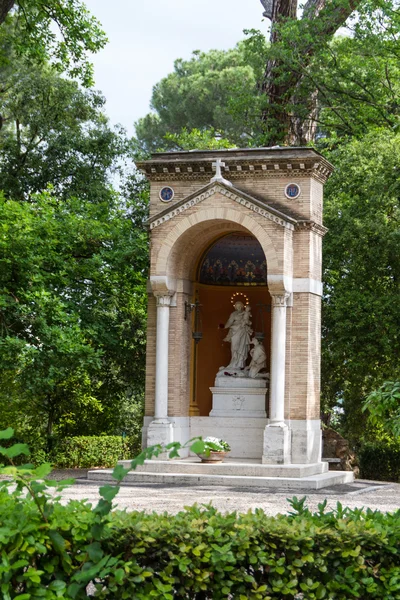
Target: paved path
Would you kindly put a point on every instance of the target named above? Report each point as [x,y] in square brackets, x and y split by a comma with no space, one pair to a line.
[374,495]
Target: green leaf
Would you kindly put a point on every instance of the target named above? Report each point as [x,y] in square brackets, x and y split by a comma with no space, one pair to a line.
[57,539]
[108,492]
[43,470]
[95,552]
[197,447]
[74,589]
[6,434]
[120,472]
[15,450]
[57,585]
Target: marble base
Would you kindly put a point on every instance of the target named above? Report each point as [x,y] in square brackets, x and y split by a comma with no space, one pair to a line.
[245,436]
[238,402]
[248,436]
[173,429]
[239,397]
[277,445]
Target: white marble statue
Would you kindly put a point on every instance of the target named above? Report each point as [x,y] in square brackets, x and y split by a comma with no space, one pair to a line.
[258,359]
[239,336]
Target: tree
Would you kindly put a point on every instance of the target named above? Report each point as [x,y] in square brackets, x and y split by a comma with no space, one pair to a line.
[214,90]
[27,28]
[349,85]
[56,134]
[361,311]
[383,406]
[73,261]
[72,313]
[294,98]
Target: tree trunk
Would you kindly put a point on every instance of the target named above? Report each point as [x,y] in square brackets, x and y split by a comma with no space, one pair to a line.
[5,7]
[321,19]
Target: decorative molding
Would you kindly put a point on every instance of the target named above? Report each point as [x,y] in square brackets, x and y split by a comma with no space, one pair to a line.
[240,197]
[311,226]
[252,173]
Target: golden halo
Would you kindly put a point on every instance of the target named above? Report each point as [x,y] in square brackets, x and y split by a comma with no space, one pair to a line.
[240,297]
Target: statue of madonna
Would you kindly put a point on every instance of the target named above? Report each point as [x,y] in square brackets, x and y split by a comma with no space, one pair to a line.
[239,336]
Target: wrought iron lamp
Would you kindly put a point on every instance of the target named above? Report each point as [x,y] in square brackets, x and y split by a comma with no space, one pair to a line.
[197,334]
[261,310]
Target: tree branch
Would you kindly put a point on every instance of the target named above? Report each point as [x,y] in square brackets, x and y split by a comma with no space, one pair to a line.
[5,7]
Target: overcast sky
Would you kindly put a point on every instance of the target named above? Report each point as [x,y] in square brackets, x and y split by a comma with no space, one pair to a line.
[146,36]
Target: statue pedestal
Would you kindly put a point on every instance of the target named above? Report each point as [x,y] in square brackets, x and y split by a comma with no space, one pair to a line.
[239,397]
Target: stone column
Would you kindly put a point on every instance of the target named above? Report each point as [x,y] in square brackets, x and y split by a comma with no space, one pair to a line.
[160,430]
[161,403]
[278,360]
[277,434]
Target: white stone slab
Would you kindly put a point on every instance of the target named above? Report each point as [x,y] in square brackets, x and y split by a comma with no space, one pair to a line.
[229,467]
[239,382]
[312,482]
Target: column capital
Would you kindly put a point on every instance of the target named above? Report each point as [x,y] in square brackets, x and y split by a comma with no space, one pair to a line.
[163,299]
[280,300]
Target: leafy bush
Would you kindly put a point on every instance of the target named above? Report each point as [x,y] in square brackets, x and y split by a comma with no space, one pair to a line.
[93,451]
[380,461]
[53,551]
[383,406]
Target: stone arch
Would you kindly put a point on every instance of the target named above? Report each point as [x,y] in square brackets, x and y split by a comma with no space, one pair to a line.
[182,246]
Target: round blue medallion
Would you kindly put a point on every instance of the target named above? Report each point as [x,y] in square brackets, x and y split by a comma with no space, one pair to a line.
[292,191]
[166,194]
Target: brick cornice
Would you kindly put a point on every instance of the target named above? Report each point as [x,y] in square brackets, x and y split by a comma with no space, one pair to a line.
[240,164]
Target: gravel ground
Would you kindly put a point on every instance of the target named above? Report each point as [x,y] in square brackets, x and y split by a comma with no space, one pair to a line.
[172,498]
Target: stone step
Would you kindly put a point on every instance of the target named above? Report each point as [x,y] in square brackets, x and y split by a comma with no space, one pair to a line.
[229,467]
[312,482]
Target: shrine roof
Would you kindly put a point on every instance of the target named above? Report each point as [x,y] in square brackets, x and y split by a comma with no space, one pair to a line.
[275,161]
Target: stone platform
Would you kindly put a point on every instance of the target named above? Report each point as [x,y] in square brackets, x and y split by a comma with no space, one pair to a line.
[232,472]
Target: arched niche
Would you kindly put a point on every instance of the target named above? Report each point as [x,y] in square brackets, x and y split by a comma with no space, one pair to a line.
[232,267]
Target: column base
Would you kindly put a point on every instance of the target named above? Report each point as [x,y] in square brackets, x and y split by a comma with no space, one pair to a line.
[160,431]
[306,441]
[165,431]
[277,445]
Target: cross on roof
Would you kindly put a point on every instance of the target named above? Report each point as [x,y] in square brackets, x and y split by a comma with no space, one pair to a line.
[218,164]
[218,174]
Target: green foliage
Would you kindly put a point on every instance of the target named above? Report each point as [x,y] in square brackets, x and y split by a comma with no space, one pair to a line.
[214,90]
[200,140]
[361,312]
[55,133]
[216,445]
[93,451]
[51,551]
[331,87]
[380,461]
[30,31]
[383,406]
[73,309]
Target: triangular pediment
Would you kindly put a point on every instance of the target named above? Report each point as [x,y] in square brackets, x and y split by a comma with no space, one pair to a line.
[256,205]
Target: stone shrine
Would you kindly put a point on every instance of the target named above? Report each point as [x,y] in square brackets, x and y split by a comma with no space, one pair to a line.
[237,230]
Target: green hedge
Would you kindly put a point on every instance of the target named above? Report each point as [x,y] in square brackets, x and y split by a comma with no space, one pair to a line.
[198,554]
[93,451]
[380,461]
